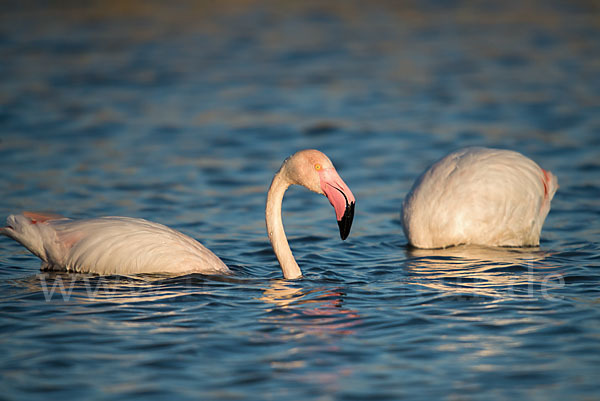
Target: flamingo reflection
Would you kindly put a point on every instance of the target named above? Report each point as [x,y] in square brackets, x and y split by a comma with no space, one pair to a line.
[316,311]
[483,271]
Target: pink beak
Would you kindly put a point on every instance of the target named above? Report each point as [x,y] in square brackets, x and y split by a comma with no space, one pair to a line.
[340,197]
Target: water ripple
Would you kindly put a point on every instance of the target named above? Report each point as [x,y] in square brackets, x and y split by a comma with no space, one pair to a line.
[181,114]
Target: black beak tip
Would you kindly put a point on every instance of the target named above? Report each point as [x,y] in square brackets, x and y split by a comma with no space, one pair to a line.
[346,222]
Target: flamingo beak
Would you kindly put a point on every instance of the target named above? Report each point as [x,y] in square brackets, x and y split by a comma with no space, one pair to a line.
[340,197]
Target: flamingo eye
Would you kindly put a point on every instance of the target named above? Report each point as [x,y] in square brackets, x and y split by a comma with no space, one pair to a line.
[317,167]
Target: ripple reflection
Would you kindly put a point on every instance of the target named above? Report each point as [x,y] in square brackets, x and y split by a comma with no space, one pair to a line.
[485,271]
[316,311]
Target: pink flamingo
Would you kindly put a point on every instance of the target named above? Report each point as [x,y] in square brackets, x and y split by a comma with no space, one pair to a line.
[125,245]
[479,196]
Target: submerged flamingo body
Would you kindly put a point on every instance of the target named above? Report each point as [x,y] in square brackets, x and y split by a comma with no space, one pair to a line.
[111,245]
[479,196]
[125,245]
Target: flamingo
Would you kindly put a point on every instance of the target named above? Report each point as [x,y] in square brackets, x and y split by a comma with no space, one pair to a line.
[479,196]
[125,245]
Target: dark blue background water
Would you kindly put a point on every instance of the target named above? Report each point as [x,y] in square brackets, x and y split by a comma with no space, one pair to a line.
[181,113]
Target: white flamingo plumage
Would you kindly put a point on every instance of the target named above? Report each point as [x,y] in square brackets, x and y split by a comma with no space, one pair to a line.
[479,196]
[125,245]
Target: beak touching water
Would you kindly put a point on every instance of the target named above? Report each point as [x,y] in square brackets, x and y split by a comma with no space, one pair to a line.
[340,197]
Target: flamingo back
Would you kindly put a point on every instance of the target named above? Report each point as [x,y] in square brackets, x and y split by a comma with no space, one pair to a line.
[111,245]
[479,196]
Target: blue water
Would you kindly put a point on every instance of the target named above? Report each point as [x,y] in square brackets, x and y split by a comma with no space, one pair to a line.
[182,113]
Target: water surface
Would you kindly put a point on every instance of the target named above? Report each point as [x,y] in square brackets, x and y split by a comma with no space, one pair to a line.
[182,113]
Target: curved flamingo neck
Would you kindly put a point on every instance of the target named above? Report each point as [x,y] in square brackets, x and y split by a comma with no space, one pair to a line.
[275,227]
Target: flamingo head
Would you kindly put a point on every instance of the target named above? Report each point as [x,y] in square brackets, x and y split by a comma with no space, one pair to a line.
[313,170]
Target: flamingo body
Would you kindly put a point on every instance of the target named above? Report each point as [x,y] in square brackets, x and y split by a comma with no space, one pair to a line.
[111,245]
[479,196]
[125,245]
